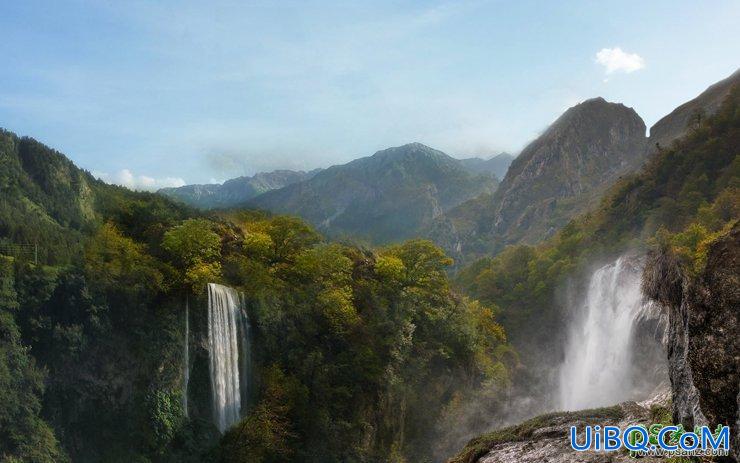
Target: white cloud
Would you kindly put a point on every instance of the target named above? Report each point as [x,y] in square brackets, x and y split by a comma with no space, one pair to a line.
[615,59]
[138,182]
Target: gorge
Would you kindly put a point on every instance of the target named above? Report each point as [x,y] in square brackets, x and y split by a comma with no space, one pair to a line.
[355,352]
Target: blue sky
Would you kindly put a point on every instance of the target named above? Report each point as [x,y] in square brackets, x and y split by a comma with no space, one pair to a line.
[159,93]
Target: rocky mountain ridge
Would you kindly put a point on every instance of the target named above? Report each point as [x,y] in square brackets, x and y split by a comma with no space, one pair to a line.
[565,172]
[554,178]
[674,125]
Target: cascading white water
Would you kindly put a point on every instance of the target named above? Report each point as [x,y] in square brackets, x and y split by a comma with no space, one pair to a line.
[598,368]
[224,321]
[186,359]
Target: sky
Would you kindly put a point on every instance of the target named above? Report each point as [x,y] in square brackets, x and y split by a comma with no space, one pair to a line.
[153,94]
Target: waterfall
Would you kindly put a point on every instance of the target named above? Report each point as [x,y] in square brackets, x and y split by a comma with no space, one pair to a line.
[225,321]
[599,366]
[186,356]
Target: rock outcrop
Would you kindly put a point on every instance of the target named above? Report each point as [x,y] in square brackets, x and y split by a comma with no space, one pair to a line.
[704,333]
[557,176]
[547,437]
[590,145]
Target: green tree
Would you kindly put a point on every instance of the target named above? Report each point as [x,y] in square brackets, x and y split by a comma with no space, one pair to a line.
[196,249]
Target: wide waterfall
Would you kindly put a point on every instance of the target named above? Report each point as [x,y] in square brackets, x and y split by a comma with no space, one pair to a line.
[599,365]
[226,335]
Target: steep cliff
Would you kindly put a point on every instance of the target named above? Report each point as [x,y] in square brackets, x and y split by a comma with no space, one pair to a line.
[704,336]
[561,173]
[589,145]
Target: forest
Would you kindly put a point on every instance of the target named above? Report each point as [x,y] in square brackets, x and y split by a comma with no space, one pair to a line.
[360,354]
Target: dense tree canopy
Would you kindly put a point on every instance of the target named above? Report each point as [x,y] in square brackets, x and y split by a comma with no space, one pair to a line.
[358,354]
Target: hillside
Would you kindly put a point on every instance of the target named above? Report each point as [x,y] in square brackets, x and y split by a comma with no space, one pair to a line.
[95,327]
[235,191]
[50,204]
[382,198]
[674,125]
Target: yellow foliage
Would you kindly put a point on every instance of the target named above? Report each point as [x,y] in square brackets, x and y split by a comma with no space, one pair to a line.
[114,259]
[338,308]
[258,244]
[200,274]
[390,267]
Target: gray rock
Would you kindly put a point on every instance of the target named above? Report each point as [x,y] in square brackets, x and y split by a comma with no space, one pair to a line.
[704,333]
[547,438]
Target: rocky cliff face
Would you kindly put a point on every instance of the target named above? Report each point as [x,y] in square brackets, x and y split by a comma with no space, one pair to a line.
[558,175]
[704,336]
[586,148]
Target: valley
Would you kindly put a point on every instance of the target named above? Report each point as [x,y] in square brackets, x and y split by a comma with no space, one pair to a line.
[391,309]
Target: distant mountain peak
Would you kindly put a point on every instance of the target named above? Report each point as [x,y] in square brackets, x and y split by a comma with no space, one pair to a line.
[413,149]
[384,197]
[236,190]
[496,164]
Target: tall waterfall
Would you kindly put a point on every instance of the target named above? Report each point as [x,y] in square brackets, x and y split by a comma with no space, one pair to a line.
[599,367]
[226,321]
[186,356]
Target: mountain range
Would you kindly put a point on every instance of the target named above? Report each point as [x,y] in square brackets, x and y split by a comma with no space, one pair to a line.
[386,197]
[415,190]
[496,165]
[236,190]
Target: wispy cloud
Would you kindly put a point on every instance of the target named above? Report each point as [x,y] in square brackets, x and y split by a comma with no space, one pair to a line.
[129,180]
[617,60]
